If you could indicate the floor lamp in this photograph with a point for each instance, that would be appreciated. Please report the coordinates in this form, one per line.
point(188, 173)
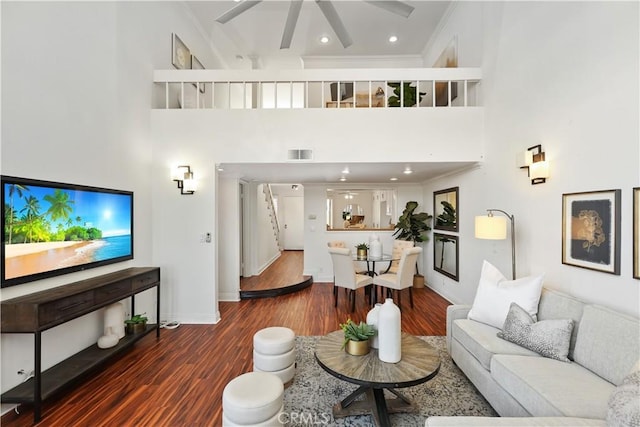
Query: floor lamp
point(495, 228)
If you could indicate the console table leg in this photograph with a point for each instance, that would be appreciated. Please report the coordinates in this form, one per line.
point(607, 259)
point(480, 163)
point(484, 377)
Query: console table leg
point(158, 311)
point(37, 377)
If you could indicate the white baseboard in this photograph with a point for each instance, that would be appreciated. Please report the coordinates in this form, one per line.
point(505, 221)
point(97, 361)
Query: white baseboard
point(229, 296)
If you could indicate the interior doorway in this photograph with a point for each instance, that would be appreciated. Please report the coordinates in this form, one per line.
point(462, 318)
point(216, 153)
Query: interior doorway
point(293, 223)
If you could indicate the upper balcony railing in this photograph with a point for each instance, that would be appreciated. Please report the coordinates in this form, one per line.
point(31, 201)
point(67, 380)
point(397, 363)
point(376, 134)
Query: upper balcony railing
point(317, 88)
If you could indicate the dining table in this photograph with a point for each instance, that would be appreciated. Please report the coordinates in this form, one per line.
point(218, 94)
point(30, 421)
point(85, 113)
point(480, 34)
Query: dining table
point(371, 261)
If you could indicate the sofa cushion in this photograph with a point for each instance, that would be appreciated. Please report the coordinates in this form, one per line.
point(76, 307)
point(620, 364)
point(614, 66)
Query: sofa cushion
point(608, 343)
point(547, 387)
point(495, 294)
point(481, 341)
point(549, 338)
point(556, 305)
point(624, 403)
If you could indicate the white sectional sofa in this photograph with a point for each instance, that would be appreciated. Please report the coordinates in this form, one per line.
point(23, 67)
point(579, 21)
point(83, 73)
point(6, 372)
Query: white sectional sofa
point(532, 390)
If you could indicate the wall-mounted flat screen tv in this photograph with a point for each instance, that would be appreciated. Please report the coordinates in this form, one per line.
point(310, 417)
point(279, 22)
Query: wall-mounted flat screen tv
point(51, 228)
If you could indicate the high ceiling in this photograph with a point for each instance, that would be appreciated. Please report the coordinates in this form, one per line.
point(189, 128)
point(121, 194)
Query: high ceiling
point(257, 32)
point(254, 36)
point(360, 173)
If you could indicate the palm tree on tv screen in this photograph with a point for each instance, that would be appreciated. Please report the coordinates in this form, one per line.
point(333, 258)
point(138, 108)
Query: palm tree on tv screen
point(60, 205)
point(12, 217)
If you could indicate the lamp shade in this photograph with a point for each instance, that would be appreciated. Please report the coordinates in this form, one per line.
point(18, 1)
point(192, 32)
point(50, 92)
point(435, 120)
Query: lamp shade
point(190, 185)
point(539, 170)
point(491, 227)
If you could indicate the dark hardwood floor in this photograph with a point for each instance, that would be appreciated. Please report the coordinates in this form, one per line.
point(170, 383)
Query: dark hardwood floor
point(285, 271)
point(177, 380)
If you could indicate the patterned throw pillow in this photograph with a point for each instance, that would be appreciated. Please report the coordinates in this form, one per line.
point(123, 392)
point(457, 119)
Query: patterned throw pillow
point(549, 338)
point(624, 403)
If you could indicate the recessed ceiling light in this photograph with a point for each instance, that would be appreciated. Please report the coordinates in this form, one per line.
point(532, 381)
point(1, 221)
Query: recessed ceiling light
point(393, 179)
point(324, 39)
point(393, 39)
point(407, 170)
point(342, 178)
point(345, 170)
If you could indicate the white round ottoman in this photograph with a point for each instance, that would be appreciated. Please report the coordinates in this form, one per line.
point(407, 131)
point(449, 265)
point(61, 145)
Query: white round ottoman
point(253, 399)
point(285, 374)
point(274, 351)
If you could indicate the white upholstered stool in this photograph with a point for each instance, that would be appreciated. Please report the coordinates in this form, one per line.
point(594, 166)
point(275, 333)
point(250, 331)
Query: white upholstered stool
point(253, 399)
point(273, 351)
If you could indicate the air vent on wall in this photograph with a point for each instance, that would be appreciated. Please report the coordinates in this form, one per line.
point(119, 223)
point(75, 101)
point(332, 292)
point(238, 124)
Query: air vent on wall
point(299, 154)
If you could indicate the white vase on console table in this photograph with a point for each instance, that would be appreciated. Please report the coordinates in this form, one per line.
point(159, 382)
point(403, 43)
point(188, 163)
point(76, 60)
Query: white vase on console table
point(114, 319)
point(389, 333)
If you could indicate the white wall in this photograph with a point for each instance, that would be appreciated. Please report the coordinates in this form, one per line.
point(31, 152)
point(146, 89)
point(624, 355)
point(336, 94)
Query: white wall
point(437, 135)
point(76, 95)
point(228, 240)
point(564, 75)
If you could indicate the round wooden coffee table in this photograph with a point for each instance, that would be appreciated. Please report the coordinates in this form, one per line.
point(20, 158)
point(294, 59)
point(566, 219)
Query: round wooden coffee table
point(420, 363)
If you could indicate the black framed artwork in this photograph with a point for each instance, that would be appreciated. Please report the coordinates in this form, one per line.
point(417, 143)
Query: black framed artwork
point(445, 207)
point(636, 233)
point(445, 255)
point(591, 230)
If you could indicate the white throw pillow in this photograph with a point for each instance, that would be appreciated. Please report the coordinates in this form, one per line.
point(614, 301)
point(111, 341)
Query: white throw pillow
point(495, 294)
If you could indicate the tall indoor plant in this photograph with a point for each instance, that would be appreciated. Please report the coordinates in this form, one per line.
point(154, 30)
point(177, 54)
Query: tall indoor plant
point(413, 227)
point(408, 95)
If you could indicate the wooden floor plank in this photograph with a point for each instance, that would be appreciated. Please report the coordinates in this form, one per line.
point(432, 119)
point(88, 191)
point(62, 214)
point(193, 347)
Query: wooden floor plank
point(178, 379)
point(286, 270)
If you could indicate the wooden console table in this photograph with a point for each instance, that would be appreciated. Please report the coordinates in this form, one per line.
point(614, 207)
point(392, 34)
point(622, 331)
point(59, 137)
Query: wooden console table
point(37, 312)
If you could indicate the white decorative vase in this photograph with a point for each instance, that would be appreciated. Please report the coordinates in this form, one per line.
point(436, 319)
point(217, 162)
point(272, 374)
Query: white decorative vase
point(108, 340)
point(389, 333)
point(372, 319)
point(375, 246)
point(114, 319)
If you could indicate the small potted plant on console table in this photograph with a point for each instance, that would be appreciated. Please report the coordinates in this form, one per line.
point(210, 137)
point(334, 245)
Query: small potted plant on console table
point(356, 337)
point(136, 324)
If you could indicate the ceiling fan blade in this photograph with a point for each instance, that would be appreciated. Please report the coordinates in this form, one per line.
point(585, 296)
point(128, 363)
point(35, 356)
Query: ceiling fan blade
point(237, 10)
point(290, 26)
point(397, 7)
point(334, 20)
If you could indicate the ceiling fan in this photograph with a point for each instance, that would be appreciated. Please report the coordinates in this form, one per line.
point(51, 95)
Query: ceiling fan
point(328, 10)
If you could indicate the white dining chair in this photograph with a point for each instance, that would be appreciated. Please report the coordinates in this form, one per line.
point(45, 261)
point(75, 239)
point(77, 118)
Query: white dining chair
point(396, 252)
point(345, 275)
point(403, 278)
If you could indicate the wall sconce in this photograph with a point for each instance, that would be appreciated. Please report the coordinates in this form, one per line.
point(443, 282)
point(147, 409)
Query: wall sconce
point(184, 177)
point(534, 161)
point(495, 228)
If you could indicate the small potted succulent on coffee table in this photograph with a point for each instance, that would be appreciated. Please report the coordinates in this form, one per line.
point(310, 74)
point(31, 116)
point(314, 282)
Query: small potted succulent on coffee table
point(136, 324)
point(356, 337)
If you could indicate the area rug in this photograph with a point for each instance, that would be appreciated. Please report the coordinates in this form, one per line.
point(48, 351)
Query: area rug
point(310, 397)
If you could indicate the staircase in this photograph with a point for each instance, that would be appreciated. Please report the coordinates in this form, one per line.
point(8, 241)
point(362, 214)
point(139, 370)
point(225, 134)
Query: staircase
point(266, 189)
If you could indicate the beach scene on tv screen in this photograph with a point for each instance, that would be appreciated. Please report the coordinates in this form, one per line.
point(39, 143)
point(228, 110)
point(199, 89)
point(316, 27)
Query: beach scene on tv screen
point(49, 228)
